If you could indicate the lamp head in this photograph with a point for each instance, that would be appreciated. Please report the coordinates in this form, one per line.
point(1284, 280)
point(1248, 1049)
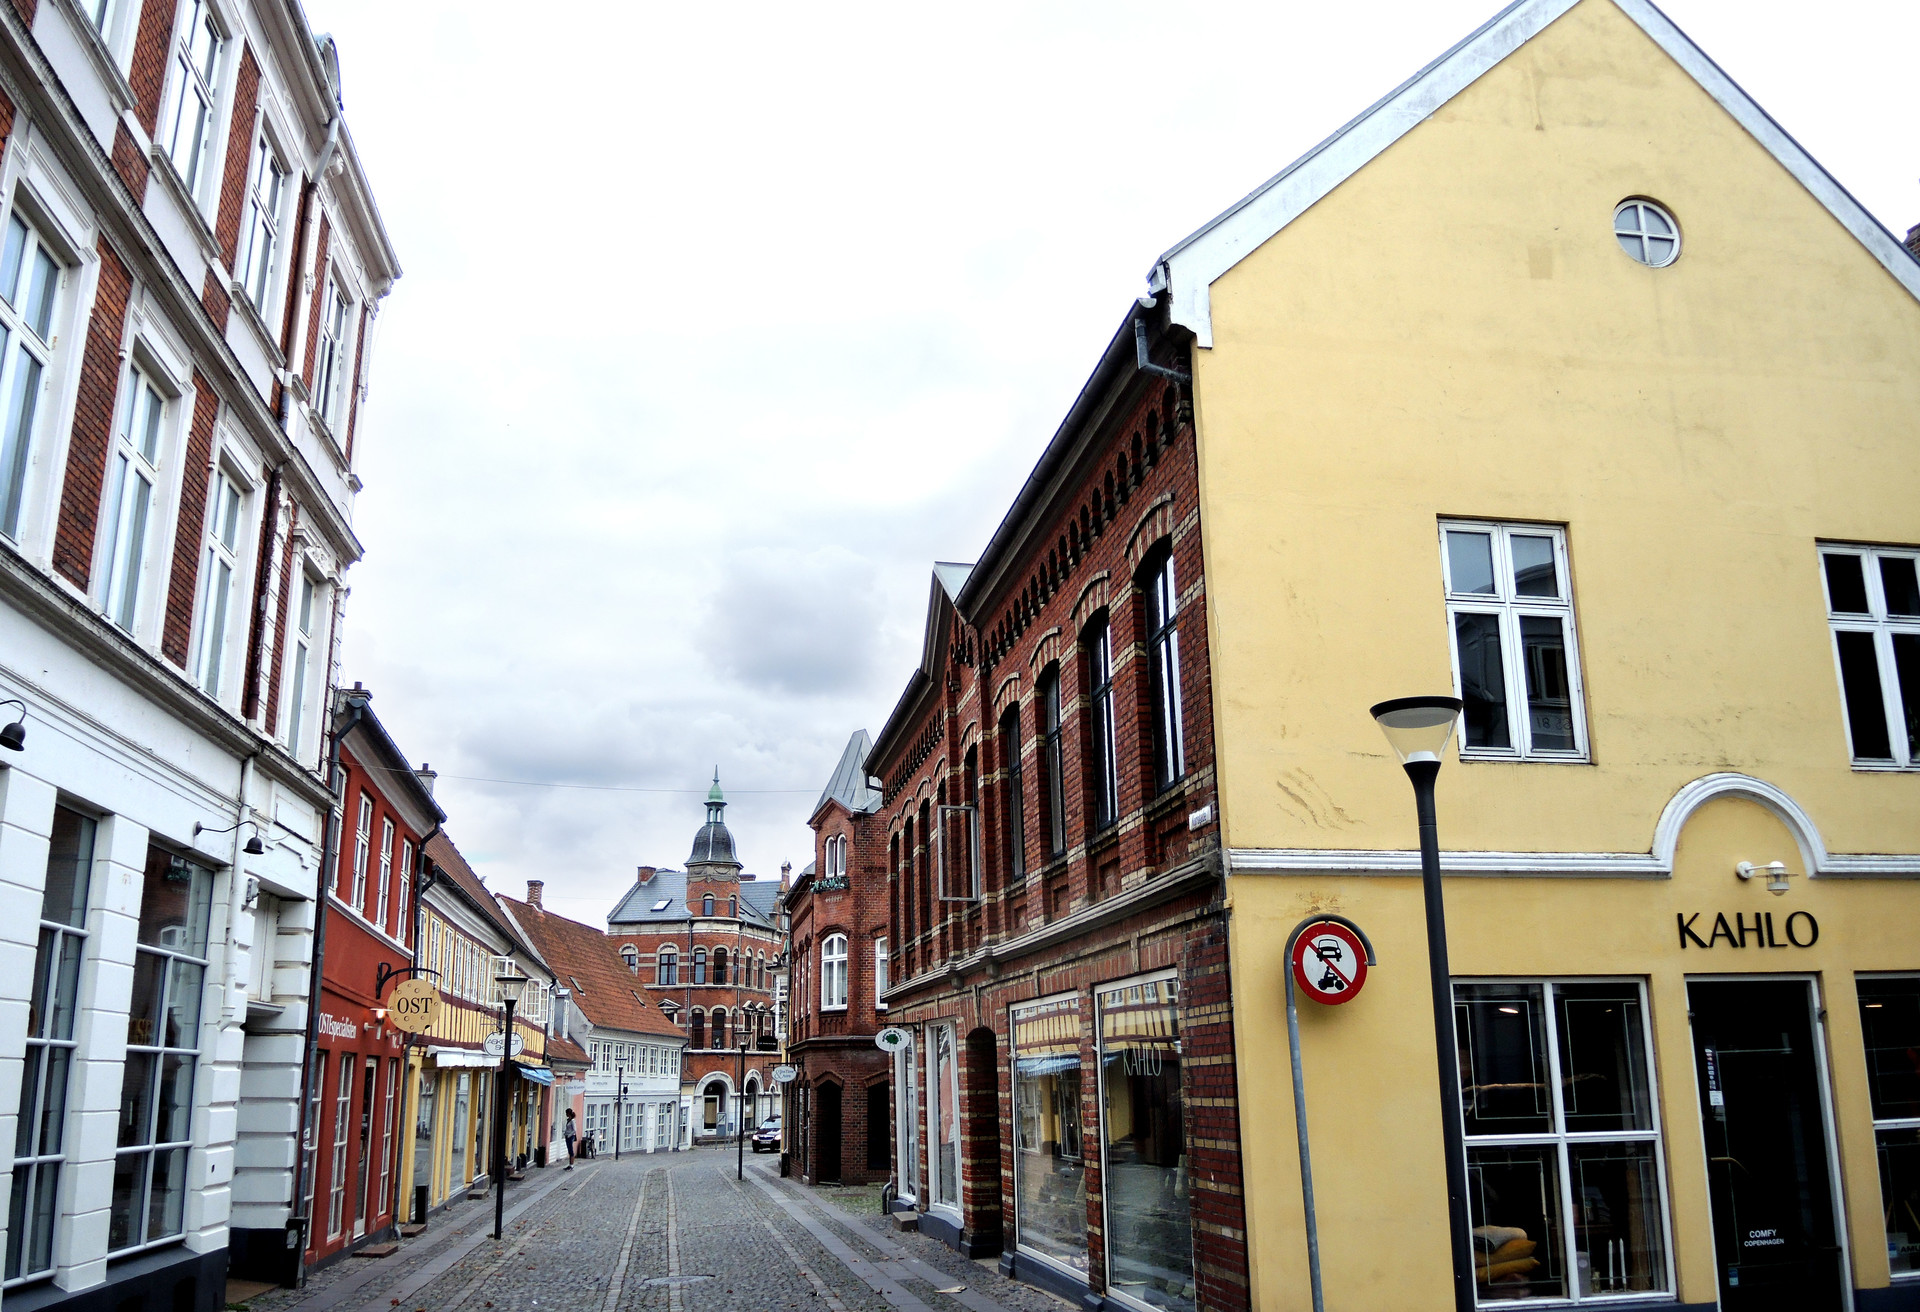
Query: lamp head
point(254, 846)
point(1417, 728)
point(14, 736)
point(512, 984)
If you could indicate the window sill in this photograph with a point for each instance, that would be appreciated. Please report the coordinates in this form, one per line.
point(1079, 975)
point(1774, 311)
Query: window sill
point(1480, 756)
point(1101, 840)
point(118, 90)
point(1886, 767)
point(1168, 800)
point(263, 335)
point(177, 186)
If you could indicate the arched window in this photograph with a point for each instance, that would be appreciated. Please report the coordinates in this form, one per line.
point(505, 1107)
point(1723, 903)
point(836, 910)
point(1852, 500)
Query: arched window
point(699, 965)
point(631, 956)
point(1103, 767)
point(833, 973)
point(706, 905)
point(698, 1029)
point(719, 1027)
point(1163, 665)
point(1015, 806)
point(668, 971)
point(733, 907)
point(719, 965)
point(1053, 766)
point(760, 972)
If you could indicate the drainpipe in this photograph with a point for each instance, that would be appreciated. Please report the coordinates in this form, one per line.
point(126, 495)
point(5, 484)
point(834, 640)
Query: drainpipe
point(329, 845)
point(1142, 360)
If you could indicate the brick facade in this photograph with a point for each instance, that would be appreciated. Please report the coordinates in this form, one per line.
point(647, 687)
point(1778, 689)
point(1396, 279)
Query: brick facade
point(1114, 498)
point(92, 422)
point(188, 541)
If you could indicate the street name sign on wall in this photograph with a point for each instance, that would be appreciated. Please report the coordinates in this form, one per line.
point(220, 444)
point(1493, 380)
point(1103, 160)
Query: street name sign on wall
point(1329, 963)
point(495, 1045)
point(893, 1039)
point(413, 1005)
point(785, 1074)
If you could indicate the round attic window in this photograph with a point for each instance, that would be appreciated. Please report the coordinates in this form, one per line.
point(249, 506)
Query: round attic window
point(1646, 232)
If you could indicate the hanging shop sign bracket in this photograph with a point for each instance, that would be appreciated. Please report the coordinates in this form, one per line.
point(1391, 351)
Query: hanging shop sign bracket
point(1340, 953)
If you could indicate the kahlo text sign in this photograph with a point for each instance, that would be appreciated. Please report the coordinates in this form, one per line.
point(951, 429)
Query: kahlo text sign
point(1800, 930)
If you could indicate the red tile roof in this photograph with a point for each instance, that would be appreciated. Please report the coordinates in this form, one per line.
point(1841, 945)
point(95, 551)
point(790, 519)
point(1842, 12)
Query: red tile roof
point(584, 959)
point(565, 1052)
point(442, 852)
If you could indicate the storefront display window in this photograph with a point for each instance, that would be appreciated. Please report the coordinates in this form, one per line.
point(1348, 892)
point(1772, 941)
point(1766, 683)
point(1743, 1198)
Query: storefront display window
point(943, 1118)
point(1143, 1127)
point(457, 1141)
point(1890, 1021)
point(1563, 1146)
point(423, 1133)
point(1049, 1166)
point(908, 1136)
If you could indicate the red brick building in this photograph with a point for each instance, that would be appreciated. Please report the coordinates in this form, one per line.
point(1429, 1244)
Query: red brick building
point(703, 942)
point(839, 1112)
point(1054, 878)
point(357, 1135)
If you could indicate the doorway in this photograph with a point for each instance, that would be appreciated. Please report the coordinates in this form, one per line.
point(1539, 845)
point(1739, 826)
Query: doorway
point(827, 1133)
point(1763, 1114)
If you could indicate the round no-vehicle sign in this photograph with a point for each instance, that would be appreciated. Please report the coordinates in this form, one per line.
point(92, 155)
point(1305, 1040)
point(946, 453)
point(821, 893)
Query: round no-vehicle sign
point(1329, 964)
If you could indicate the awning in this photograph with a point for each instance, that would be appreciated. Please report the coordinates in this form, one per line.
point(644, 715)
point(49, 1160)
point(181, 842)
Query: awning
point(462, 1059)
point(538, 1074)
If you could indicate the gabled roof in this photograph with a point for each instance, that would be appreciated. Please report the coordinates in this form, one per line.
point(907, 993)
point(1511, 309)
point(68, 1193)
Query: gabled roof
point(848, 783)
point(457, 873)
point(637, 906)
point(586, 960)
point(1189, 268)
point(949, 578)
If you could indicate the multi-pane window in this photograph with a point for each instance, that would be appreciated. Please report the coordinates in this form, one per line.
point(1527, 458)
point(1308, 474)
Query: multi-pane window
point(667, 967)
point(302, 659)
point(1102, 768)
point(1054, 762)
point(1163, 664)
point(1515, 662)
point(327, 370)
point(836, 862)
point(1890, 1022)
point(29, 285)
point(403, 927)
point(342, 1110)
point(362, 851)
point(135, 472)
point(386, 1133)
point(386, 873)
point(1873, 605)
point(880, 981)
point(1015, 806)
point(719, 1019)
point(196, 74)
point(706, 905)
point(222, 565)
point(163, 1042)
point(720, 966)
point(833, 973)
point(697, 1029)
point(40, 1142)
point(99, 13)
point(315, 1090)
point(1563, 1140)
point(699, 965)
point(263, 224)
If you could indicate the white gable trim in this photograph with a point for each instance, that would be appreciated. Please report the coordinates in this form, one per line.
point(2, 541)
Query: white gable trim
point(1188, 270)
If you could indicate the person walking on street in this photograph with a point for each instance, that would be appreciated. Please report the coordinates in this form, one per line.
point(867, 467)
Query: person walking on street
point(571, 1134)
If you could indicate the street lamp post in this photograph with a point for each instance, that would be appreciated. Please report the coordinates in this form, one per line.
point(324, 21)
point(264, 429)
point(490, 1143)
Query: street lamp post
point(512, 984)
point(1418, 729)
point(740, 1126)
point(619, 1107)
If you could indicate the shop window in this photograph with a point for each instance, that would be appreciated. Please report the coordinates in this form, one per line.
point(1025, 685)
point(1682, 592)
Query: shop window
point(943, 1117)
point(1563, 1142)
point(163, 1041)
point(1515, 662)
point(1049, 1163)
point(1890, 1021)
point(40, 1144)
point(1144, 1139)
point(1873, 607)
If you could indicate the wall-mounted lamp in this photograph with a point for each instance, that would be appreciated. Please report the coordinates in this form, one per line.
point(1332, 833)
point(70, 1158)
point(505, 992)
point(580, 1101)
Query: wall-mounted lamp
point(14, 736)
point(1774, 871)
point(253, 847)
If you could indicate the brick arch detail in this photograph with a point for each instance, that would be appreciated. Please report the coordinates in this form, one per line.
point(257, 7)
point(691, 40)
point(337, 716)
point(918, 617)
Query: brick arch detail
point(1154, 524)
point(1093, 598)
point(1007, 695)
point(1046, 649)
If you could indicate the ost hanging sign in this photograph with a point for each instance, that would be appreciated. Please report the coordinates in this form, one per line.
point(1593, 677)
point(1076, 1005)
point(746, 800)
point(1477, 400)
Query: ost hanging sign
point(413, 1005)
point(1329, 963)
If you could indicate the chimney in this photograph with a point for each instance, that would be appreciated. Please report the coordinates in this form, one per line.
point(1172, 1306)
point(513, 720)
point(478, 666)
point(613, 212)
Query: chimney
point(427, 774)
point(646, 875)
point(533, 893)
point(786, 875)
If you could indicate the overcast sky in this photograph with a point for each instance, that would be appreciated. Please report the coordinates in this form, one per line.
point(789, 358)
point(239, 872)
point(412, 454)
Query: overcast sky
point(720, 324)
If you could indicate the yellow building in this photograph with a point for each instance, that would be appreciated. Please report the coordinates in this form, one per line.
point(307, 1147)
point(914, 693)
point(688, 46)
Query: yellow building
point(1564, 380)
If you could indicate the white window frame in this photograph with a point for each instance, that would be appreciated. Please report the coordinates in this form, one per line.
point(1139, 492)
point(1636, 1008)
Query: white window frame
point(937, 1090)
point(309, 603)
point(336, 321)
point(1163, 658)
point(225, 527)
point(197, 71)
point(1884, 628)
point(881, 965)
point(135, 502)
point(1894, 1123)
point(266, 202)
point(403, 925)
point(1510, 608)
point(833, 973)
point(362, 850)
point(385, 893)
point(1563, 1139)
point(1103, 738)
point(26, 336)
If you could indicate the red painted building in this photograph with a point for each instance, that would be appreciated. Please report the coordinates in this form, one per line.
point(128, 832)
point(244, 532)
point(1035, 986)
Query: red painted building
point(839, 1112)
point(355, 1135)
point(705, 947)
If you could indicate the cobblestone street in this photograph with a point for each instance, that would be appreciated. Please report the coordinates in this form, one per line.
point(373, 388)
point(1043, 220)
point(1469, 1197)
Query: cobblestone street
point(666, 1233)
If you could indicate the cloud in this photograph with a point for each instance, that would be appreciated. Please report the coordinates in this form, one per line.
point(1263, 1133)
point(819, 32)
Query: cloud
point(798, 622)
